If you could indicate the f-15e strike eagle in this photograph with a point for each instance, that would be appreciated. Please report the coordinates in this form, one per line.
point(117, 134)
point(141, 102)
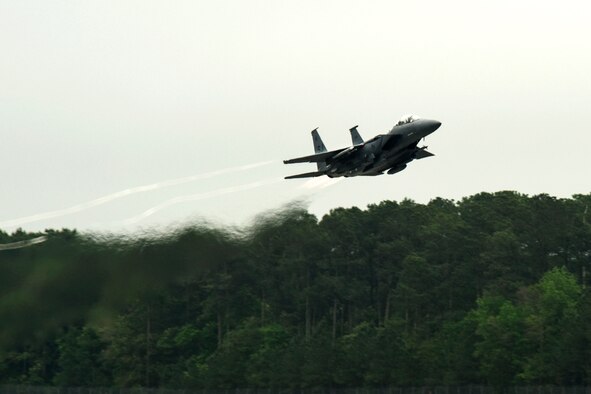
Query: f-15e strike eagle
point(389, 152)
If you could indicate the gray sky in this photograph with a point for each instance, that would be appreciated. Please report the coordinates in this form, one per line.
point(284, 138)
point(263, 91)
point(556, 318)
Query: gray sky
point(100, 97)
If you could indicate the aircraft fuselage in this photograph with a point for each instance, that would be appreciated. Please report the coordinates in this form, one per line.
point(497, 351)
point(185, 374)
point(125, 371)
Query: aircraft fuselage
point(385, 151)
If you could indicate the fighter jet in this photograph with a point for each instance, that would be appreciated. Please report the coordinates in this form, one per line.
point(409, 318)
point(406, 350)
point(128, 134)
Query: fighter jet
point(389, 152)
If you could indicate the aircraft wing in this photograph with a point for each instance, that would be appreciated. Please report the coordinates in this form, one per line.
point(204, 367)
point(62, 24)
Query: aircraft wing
point(318, 157)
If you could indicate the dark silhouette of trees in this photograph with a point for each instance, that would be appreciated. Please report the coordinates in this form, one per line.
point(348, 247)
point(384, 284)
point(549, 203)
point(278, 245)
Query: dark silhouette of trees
point(492, 289)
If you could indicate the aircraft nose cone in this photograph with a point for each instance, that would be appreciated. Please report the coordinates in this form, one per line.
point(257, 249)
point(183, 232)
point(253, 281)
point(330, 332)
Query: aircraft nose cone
point(431, 126)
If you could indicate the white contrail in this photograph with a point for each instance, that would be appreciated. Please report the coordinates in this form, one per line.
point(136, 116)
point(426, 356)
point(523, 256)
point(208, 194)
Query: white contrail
point(123, 193)
point(196, 197)
point(319, 183)
point(23, 244)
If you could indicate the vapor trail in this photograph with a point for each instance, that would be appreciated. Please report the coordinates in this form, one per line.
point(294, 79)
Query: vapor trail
point(123, 193)
point(197, 197)
point(319, 183)
point(23, 244)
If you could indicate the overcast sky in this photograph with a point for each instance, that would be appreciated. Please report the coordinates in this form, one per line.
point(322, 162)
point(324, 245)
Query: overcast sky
point(103, 97)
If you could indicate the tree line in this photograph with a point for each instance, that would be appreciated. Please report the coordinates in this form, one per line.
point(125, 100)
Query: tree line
point(491, 289)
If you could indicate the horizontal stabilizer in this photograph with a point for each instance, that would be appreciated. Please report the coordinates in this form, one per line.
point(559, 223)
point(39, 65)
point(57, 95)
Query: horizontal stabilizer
point(306, 175)
point(422, 153)
point(315, 158)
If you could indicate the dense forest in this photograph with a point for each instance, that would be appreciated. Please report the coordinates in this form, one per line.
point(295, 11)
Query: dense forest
point(492, 289)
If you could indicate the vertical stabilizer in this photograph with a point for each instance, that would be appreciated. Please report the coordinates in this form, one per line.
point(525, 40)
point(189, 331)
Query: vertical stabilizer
point(318, 148)
point(318, 144)
point(355, 137)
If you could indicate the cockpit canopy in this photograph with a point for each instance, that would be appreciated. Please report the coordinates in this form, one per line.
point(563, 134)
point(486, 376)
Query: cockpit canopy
point(407, 119)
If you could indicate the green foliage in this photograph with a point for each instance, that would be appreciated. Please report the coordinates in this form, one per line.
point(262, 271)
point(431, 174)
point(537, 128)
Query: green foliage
point(500, 348)
point(491, 289)
point(552, 319)
point(80, 359)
